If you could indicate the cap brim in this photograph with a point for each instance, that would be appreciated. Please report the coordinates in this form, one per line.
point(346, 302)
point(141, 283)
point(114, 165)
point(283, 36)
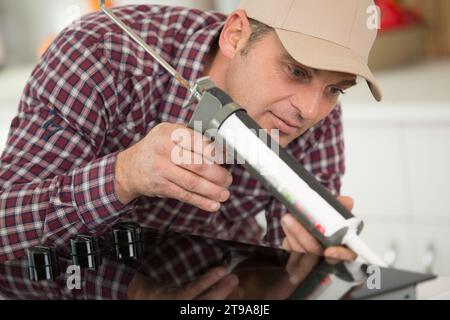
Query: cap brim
point(325, 55)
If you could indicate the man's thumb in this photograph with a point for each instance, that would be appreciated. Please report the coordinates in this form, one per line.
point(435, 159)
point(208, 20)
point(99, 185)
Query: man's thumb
point(346, 202)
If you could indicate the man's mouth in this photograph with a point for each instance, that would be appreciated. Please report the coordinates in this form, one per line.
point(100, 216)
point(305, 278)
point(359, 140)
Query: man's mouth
point(284, 126)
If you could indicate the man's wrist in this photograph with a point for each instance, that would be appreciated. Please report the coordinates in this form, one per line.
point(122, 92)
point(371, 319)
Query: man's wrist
point(123, 190)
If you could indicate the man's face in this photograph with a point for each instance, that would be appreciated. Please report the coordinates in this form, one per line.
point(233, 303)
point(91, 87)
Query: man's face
point(279, 93)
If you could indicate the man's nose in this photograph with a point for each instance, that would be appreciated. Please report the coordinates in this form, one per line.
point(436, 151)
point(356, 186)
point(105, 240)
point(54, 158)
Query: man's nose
point(307, 102)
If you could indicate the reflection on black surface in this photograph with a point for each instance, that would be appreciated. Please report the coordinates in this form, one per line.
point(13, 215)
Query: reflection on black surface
point(175, 265)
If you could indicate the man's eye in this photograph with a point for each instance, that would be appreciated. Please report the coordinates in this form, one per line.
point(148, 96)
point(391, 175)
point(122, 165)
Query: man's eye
point(337, 91)
point(297, 72)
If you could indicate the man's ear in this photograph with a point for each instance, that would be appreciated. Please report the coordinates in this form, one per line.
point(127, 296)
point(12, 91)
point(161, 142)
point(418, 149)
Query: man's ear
point(235, 34)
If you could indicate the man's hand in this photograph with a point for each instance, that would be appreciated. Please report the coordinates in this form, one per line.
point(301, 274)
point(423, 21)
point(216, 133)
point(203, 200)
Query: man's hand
point(147, 169)
point(299, 239)
point(216, 284)
point(299, 266)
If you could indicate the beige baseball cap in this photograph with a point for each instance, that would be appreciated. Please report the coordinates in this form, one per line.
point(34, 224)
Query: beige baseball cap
point(333, 35)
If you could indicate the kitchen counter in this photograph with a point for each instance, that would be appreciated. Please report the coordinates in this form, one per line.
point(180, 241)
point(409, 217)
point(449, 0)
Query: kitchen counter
point(171, 260)
point(437, 289)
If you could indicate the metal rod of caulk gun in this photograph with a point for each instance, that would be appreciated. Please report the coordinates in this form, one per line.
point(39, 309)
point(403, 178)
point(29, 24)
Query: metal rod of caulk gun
point(150, 51)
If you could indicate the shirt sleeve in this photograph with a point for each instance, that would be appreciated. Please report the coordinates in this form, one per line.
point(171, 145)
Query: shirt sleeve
point(321, 152)
point(55, 178)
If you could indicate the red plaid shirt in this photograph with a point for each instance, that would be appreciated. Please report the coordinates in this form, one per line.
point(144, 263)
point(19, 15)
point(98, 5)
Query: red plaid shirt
point(95, 93)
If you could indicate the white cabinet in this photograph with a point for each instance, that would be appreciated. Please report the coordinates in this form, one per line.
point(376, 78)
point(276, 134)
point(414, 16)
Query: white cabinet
point(374, 155)
point(431, 247)
point(406, 203)
point(398, 171)
point(427, 149)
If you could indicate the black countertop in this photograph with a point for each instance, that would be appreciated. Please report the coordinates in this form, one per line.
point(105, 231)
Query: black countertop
point(170, 264)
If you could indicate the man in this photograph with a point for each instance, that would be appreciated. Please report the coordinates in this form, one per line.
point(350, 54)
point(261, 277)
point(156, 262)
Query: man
point(92, 141)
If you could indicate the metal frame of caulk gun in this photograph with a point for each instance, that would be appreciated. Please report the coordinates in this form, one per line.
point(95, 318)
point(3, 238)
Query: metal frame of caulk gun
point(323, 215)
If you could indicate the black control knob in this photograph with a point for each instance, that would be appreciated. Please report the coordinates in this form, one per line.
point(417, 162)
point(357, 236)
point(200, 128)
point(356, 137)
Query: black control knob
point(43, 263)
point(85, 251)
point(127, 241)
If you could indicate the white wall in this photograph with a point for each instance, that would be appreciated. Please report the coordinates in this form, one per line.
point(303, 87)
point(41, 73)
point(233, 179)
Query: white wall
point(24, 24)
point(226, 6)
point(2, 51)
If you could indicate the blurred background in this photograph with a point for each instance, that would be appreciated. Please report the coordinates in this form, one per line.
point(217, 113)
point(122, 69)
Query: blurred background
point(398, 151)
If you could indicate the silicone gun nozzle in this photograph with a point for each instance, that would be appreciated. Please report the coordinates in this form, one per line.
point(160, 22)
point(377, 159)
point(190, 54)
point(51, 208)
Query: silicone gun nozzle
point(354, 242)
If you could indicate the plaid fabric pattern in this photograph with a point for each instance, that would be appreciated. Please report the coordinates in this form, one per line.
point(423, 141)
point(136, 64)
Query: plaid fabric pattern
point(95, 93)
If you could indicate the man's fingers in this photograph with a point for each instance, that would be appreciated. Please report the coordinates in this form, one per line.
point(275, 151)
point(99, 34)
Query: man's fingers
point(197, 184)
point(293, 261)
point(176, 192)
point(340, 254)
point(291, 241)
point(286, 245)
point(211, 172)
point(189, 140)
point(222, 289)
point(299, 236)
point(203, 283)
point(346, 202)
point(300, 265)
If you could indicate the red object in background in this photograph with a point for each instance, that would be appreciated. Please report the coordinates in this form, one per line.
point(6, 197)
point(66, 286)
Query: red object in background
point(393, 15)
point(94, 5)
